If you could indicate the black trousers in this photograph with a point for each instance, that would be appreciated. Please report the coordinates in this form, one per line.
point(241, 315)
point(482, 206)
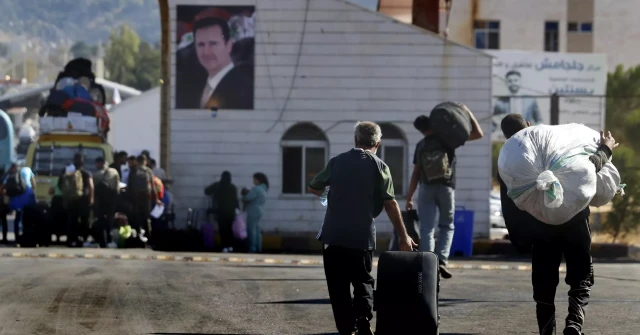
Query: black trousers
point(225, 224)
point(344, 267)
point(104, 213)
point(573, 240)
point(78, 220)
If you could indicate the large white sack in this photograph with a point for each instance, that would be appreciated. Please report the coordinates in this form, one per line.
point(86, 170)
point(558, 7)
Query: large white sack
point(548, 173)
point(608, 179)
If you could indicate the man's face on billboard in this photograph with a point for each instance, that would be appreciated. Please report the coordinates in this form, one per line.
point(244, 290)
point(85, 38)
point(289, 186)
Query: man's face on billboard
point(213, 52)
point(513, 82)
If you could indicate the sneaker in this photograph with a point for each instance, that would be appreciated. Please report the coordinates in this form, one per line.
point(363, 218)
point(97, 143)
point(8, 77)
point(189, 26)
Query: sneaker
point(444, 272)
point(225, 250)
point(364, 327)
point(230, 249)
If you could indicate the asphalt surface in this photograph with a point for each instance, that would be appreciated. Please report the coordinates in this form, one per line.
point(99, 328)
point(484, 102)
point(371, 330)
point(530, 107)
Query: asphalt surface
point(225, 296)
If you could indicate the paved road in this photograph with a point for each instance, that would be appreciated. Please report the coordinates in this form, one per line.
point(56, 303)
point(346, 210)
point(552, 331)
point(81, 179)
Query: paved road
point(129, 296)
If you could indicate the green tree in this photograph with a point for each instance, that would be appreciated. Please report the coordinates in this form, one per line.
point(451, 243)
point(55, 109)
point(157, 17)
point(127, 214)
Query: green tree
point(623, 104)
point(121, 55)
point(625, 215)
point(623, 120)
point(147, 70)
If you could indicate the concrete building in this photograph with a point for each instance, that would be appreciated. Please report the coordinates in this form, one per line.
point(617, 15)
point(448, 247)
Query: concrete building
point(135, 124)
point(321, 65)
point(598, 26)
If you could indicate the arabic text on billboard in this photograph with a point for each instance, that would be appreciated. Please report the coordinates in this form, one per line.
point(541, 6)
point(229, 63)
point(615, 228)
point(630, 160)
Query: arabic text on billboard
point(524, 81)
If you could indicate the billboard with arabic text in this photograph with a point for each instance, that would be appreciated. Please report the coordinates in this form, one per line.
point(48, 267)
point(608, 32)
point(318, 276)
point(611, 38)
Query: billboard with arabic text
point(523, 83)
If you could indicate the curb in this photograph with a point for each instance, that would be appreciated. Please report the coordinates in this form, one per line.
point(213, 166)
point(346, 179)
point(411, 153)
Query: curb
point(238, 260)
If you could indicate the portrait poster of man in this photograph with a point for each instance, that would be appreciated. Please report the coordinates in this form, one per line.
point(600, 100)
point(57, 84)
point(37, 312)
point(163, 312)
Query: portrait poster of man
point(523, 82)
point(215, 51)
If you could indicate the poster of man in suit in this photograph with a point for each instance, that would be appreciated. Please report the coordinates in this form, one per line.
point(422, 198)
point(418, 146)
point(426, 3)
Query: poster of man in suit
point(215, 57)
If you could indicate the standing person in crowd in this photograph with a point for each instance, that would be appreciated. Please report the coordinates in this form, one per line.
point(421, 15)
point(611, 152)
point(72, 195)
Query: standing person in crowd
point(19, 185)
point(126, 168)
point(59, 217)
point(78, 207)
point(548, 244)
point(435, 170)
point(119, 159)
point(107, 187)
point(4, 210)
point(360, 187)
point(142, 193)
point(157, 171)
point(254, 201)
point(224, 203)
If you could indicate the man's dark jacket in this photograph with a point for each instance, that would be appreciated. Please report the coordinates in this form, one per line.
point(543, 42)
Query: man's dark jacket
point(523, 227)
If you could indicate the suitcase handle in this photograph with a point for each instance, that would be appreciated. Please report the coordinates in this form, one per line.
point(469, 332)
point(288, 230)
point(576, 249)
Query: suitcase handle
point(461, 208)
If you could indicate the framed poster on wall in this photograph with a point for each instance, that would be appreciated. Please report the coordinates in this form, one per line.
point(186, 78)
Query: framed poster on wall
point(215, 57)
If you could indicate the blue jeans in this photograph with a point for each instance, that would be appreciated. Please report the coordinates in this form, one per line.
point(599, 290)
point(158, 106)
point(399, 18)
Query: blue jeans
point(254, 237)
point(434, 199)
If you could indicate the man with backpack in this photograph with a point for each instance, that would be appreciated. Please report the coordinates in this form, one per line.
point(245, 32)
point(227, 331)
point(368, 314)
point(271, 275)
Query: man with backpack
point(78, 195)
point(435, 170)
point(142, 192)
point(106, 181)
point(19, 185)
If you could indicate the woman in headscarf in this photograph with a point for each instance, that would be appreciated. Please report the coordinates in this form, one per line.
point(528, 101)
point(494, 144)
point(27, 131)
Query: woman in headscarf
point(224, 203)
point(254, 201)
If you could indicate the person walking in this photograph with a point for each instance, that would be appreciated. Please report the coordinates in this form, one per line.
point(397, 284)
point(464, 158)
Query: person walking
point(254, 201)
point(19, 185)
point(78, 207)
point(434, 168)
point(106, 182)
point(360, 186)
point(547, 244)
point(224, 203)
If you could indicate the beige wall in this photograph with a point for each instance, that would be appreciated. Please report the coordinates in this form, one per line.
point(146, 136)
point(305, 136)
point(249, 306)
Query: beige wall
point(616, 31)
point(398, 9)
point(616, 28)
point(519, 28)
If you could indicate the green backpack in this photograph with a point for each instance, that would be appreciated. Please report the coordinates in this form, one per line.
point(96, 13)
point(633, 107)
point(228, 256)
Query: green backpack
point(72, 186)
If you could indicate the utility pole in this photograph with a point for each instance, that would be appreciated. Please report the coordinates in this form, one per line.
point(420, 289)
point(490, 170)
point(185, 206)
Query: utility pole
point(555, 109)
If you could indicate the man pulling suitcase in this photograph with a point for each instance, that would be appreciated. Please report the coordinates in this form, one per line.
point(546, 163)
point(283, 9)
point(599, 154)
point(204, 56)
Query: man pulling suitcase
point(360, 187)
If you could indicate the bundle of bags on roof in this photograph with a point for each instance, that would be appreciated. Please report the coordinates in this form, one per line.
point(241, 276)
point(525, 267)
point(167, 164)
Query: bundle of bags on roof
point(548, 173)
point(76, 91)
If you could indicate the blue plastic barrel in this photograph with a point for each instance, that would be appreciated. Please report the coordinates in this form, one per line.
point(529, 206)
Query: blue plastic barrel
point(462, 244)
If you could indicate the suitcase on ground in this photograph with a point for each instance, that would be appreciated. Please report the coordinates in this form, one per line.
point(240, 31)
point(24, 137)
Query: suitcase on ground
point(188, 239)
point(412, 225)
point(406, 295)
point(452, 123)
point(36, 226)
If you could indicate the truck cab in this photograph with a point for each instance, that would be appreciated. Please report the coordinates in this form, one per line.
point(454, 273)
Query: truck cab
point(54, 150)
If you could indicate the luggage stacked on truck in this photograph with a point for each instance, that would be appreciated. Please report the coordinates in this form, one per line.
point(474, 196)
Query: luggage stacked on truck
point(77, 98)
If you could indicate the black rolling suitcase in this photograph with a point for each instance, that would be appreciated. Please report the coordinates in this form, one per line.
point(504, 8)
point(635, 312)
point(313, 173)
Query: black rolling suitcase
point(406, 296)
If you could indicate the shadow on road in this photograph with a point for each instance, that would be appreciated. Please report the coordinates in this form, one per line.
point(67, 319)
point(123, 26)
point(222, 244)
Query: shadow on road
point(275, 266)
point(257, 334)
point(298, 302)
point(277, 279)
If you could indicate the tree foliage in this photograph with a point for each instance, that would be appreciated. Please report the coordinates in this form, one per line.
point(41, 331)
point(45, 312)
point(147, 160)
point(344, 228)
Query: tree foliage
point(87, 20)
point(623, 120)
point(121, 55)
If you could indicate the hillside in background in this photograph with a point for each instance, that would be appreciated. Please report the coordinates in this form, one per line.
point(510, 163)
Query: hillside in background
point(78, 20)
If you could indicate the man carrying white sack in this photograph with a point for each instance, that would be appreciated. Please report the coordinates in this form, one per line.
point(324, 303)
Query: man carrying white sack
point(548, 243)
